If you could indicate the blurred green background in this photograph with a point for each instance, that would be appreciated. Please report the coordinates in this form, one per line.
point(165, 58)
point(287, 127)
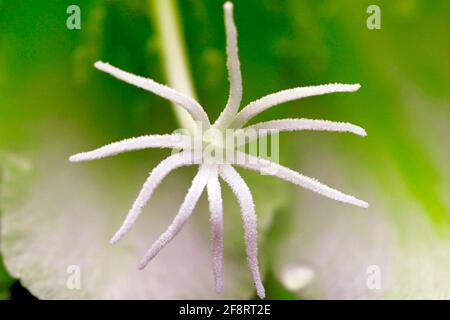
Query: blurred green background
point(51, 98)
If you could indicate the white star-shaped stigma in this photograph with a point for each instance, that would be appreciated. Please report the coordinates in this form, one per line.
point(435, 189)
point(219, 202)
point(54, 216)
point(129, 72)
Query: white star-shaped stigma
point(194, 145)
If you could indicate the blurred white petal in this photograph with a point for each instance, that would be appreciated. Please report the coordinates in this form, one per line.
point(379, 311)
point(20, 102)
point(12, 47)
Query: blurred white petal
point(346, 249)
point(49, 225)
point(296, 277)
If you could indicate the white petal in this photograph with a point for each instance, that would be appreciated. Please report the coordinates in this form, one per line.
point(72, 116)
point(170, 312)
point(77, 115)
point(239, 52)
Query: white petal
point(192, 196)
point(262, 128)
point(244, 196)
point(216, 208)
point(270, 168)
point(156, 176)
point(138, 143)
point(234, 69)
point(189, 104)
point(266, 102)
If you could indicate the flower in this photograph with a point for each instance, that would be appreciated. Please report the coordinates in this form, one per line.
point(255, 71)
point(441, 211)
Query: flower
point(195, 144)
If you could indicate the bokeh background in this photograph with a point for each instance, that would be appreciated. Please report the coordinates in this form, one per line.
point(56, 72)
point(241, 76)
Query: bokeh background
point(53, 103)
